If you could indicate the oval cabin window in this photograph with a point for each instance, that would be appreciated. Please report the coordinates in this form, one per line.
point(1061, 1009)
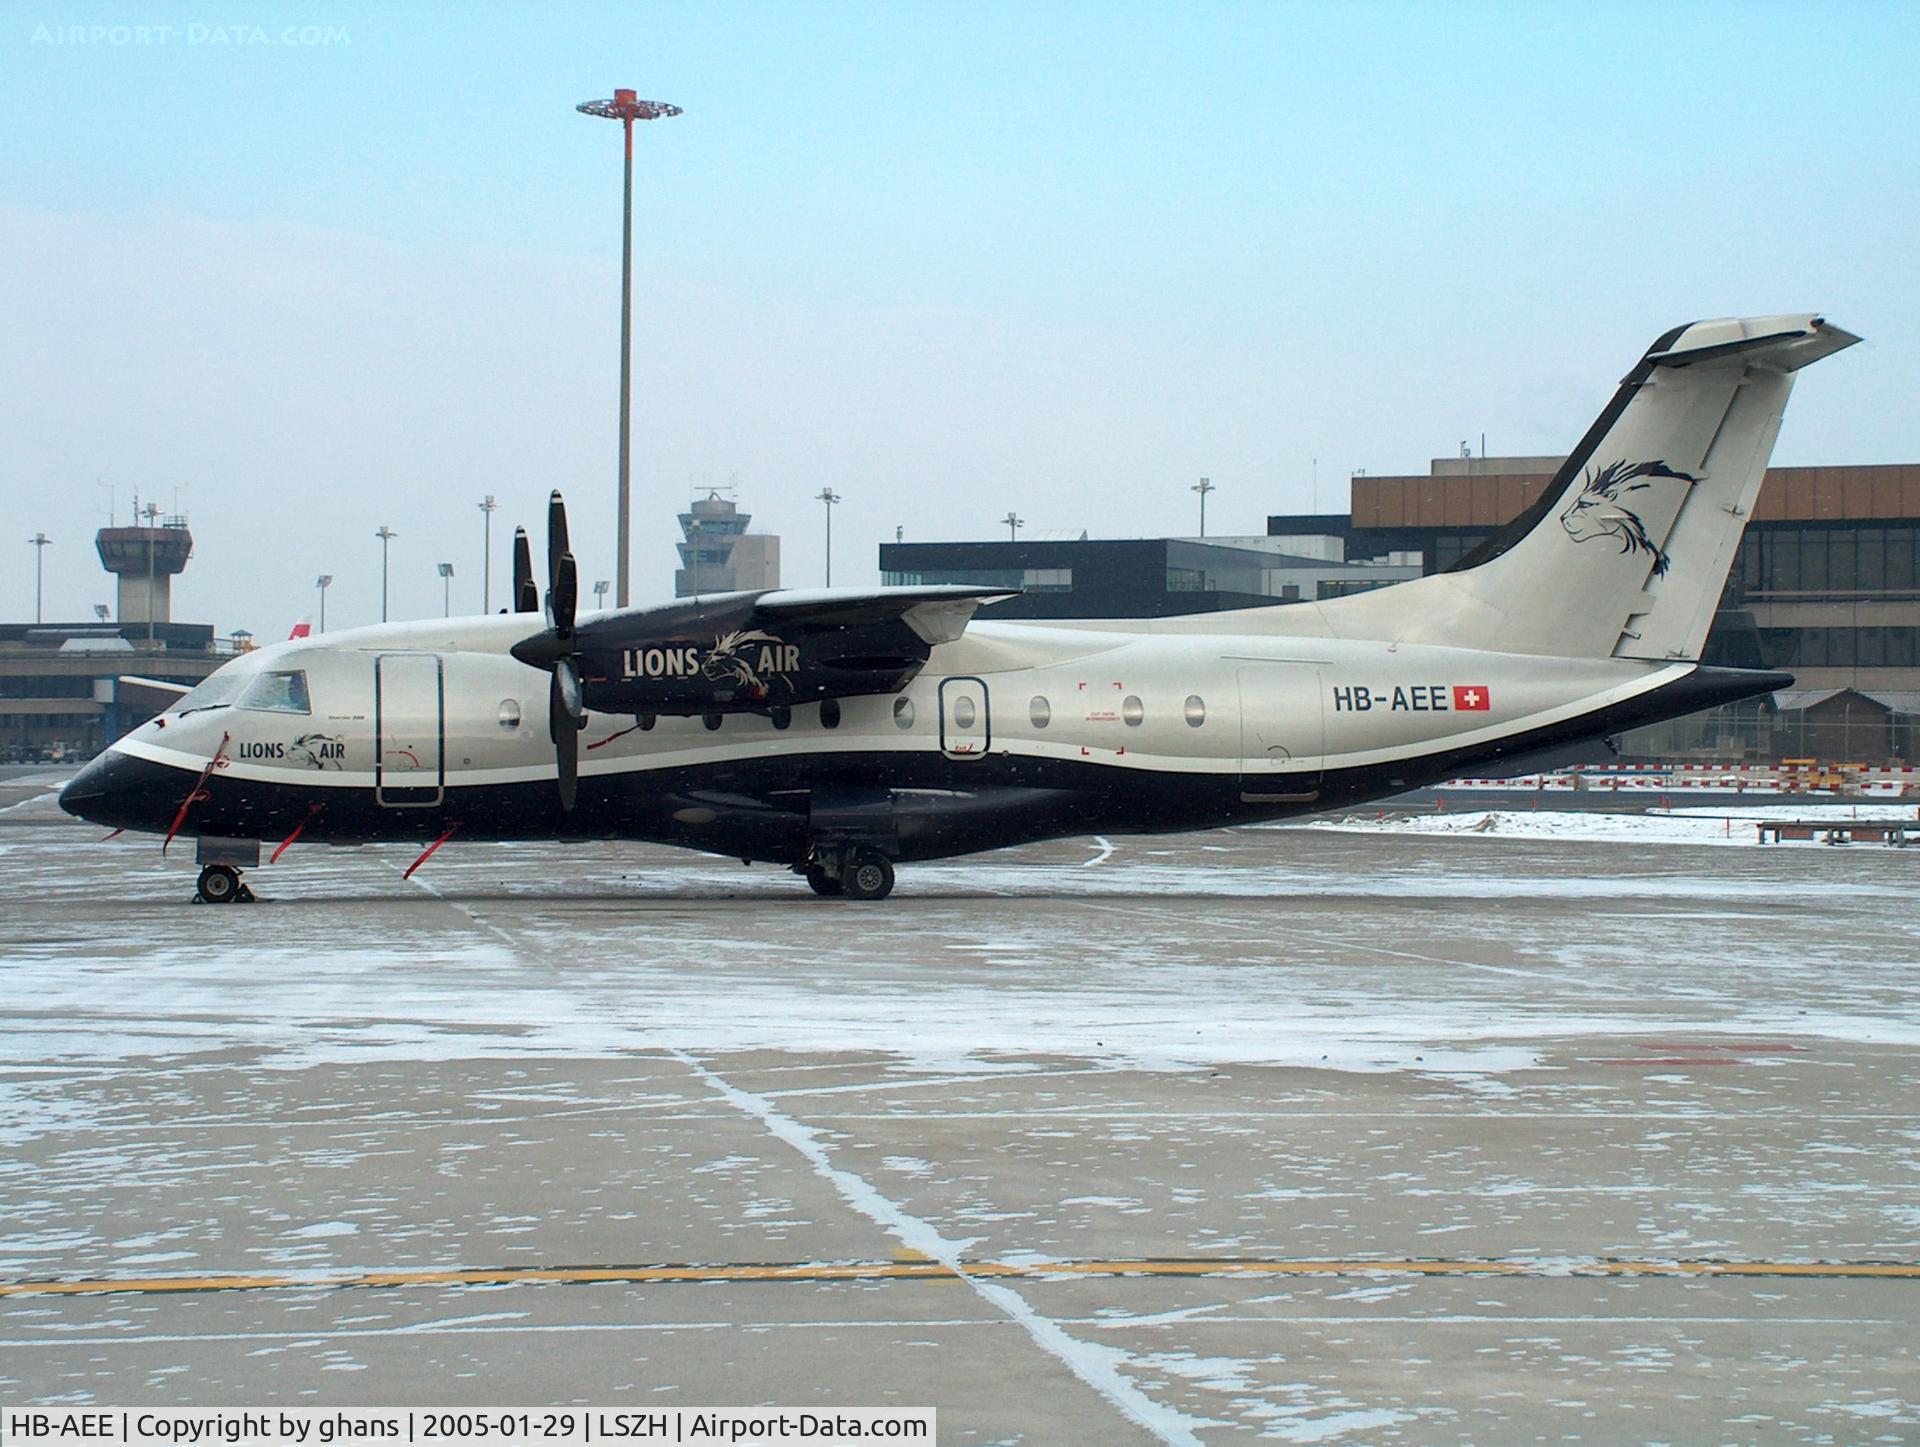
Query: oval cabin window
point(903, 713)
point(509, 714)
point(1196, 710)
point(963, 713)
point(830, 714)
point(1040, 711)
point(1132, 711)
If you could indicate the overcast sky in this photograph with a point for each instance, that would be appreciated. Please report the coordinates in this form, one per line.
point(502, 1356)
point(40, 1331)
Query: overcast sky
point(360, 265)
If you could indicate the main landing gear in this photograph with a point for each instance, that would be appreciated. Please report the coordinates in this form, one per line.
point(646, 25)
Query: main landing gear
point(857, 874)
point(222, 884)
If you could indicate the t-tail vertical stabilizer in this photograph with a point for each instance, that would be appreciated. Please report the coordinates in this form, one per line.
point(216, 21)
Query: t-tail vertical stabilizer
point(1627, 550)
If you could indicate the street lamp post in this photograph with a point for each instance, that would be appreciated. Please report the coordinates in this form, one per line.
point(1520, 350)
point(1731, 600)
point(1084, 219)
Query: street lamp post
point(386, 535)
point(40, 542)
point(486, 554)
point(323, 582)
point(600, 593)
point(446, 590)
point(1014, 523)
point(829, 497)
point(626, 107)
point(1203, 487)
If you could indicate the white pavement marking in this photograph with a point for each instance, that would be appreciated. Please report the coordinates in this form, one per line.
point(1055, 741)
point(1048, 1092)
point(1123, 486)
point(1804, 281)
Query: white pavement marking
point(29, 803)
point(1094, 1365)
point(492, 929)
point(1106, 851)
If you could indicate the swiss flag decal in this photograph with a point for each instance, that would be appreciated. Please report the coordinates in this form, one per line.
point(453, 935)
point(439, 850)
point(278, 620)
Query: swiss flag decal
point(1469, 698)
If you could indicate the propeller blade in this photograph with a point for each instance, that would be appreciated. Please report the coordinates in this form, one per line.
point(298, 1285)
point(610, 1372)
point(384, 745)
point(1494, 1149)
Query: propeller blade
point(566, 742)
point(565, 597)
point(526, 597)
point(557, 544)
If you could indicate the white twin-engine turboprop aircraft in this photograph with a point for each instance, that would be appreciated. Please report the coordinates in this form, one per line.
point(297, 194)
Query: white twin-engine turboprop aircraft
point(838, 732)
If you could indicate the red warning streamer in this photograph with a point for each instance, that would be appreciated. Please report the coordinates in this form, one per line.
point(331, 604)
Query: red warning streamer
point(428, 852)
point(298, 830)
point(198, 794)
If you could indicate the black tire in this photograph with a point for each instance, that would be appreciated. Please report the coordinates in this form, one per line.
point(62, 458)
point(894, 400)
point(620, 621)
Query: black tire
point(220, 884)
point(868, 875)
point(820, 883)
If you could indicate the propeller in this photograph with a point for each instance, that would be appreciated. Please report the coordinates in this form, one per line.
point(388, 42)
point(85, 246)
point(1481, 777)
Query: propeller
point(555, 649)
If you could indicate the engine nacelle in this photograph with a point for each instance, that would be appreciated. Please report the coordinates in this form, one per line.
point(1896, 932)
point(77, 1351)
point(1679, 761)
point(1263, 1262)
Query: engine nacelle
point(727, 657)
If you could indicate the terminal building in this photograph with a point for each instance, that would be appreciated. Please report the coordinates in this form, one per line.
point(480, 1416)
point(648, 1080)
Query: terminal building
point(1079, 577)
point(718, 554)
point(64, 687)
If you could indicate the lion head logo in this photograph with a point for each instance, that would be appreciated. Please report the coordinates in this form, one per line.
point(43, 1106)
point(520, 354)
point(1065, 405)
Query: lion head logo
point(726, 663)
point(1600, 508)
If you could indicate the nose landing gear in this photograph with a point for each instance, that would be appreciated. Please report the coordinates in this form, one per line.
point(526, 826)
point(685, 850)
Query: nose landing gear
point(222, 884)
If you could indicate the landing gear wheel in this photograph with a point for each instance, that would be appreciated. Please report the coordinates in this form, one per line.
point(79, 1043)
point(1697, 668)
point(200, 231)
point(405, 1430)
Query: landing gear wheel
point(220, 884)
point(820, 882)
point(867, 875)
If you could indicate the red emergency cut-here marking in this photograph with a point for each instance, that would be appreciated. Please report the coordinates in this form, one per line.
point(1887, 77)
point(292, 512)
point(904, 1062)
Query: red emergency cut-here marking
point(1470, 698)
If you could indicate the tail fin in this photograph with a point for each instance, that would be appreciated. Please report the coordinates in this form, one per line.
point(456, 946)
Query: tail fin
point(1627, 550)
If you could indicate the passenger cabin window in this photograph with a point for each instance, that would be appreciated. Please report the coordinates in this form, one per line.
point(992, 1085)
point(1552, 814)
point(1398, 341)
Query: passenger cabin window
point(1132, 711)
point(1196, 710)
point(830, 714)
point(509, 714)
point(963, 712)
point(277, 693)
point(903, 713)
point(1040, 711)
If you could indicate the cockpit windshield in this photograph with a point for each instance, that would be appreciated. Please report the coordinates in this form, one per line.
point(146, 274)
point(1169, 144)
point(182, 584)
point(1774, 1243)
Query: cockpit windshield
point(216, 690)
point(277, 693)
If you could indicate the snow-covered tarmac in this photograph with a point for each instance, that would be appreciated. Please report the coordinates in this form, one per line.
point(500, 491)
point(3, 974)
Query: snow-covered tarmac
point(1324, 1134)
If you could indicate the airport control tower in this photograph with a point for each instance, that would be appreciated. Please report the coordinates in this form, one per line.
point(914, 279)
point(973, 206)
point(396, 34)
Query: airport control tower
point(145, 560)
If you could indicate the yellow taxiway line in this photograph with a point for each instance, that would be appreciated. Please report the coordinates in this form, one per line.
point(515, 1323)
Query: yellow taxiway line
point(926, 1270)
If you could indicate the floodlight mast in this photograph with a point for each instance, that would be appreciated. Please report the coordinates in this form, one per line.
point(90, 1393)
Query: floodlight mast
point(626, 107)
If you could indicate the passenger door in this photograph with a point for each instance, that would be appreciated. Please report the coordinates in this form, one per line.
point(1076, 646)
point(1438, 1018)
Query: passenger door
point(1282, 733)
point(965, 730)
point(409, 708)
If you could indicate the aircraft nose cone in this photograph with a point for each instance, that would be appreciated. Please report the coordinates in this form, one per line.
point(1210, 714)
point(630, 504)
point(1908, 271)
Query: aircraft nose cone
point(85, 787)
point(121, 792)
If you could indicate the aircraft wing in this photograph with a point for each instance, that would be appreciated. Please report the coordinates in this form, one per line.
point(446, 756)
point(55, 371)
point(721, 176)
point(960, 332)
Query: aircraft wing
point(938, 613)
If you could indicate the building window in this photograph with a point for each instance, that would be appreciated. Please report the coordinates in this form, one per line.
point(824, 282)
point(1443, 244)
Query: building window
point(1196, 710)
point(1040, 711)
point(1186, 580)
point(1047, 580)
point(1132, 712)
point(903, 713)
